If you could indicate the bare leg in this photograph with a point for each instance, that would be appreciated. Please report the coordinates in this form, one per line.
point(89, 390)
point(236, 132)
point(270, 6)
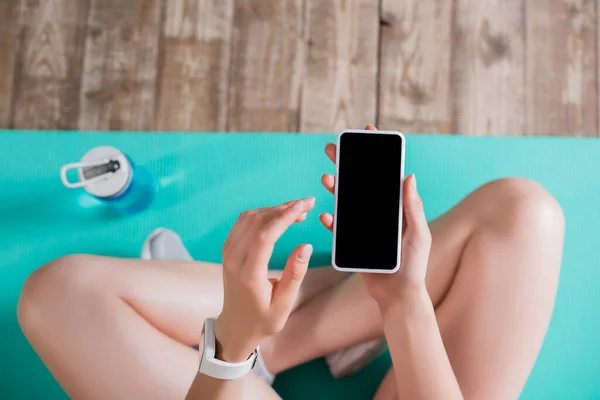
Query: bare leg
point(129, 324)
point(492, 276)
point(67, 308)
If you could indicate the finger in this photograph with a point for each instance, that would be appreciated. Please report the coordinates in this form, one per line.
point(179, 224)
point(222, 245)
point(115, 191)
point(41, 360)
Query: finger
point(267, 212)
point(301, 217)
point(286, 290)
point(330, 150)
point(417, 231)
point(283, 205)
point(277, 221)
point(271, 213)
point(327, 220)
point(370, 128)
point(329, 182)
point(269, 225)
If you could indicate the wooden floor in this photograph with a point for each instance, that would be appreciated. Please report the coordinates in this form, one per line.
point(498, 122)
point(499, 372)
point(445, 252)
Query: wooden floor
point(475, 67)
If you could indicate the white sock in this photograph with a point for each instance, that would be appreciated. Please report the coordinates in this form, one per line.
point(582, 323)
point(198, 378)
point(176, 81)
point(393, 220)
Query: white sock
point(260, 370)
point(164, 244)
point(347, 361)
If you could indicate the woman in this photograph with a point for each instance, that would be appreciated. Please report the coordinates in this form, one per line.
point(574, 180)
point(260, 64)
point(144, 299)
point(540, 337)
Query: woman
point(464, 317)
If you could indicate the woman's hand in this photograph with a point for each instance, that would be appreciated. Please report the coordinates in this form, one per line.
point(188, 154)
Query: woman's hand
point(256, 307)
point(416, 243)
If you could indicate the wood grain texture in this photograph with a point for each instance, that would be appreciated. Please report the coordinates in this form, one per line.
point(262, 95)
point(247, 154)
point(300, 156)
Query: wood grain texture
point(267, 65)
point(339, 89)
point(119, 77)
point(195, 62)
point(488, 68)
point(598, 66)
point(561, 78)
point(9, 26)
point(414, 83)
point(49, 63)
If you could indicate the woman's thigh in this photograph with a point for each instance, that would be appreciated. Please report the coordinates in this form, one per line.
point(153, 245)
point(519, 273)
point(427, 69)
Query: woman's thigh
point(115, 317)
point(122, 328)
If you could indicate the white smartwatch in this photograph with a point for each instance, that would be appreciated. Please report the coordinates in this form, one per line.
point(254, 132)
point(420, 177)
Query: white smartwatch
point(219, 369)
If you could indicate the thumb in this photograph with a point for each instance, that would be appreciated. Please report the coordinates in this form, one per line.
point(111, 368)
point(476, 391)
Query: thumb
point(417, 232)
point(286, 290)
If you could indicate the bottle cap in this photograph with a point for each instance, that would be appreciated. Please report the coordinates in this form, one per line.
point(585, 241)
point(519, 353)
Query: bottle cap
point(103, 171)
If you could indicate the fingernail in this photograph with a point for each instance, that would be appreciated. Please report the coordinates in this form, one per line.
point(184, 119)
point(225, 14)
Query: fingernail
point(414, 182)
point(309, 200)
point(305, 252)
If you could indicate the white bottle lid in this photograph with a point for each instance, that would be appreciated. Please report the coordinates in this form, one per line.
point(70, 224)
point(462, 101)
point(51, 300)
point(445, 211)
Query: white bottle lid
point(92, 176)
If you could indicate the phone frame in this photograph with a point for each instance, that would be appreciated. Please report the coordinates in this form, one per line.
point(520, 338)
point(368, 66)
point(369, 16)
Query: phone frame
point(337, 174)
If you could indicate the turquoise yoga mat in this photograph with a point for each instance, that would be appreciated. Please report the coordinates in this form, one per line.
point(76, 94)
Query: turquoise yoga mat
point(207, 179)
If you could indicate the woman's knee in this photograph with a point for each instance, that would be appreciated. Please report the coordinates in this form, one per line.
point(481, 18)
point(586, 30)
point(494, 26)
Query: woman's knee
point(522, 206)
point(58, 282)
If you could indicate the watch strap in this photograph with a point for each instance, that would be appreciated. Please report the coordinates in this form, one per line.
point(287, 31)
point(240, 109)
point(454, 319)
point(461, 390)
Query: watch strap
point(219, 369)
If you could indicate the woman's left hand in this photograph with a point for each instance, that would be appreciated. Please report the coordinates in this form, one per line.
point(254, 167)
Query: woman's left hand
point(416, 243)
point(256, 307)
point(388, 289)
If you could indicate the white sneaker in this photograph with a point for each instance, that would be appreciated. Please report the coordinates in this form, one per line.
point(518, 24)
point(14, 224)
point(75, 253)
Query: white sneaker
point(348, 361)
point(164, 244)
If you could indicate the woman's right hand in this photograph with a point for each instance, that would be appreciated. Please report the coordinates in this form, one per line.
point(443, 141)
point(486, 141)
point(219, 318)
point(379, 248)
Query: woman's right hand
point(256, 307)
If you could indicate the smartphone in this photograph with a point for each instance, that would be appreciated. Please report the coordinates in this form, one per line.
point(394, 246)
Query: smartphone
point(367, 224)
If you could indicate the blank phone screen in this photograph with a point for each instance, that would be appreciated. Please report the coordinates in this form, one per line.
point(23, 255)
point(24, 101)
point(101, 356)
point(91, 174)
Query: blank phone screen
point(368, 201)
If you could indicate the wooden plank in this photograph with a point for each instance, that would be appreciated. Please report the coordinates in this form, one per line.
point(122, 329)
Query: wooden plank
point(9, 25)
point(488, 68)
point(598, 66)
point(194, 72)
point(414, 83)
point(119, 77)
point(339, 89)
point(48, 69)
point(561, 78)
point(267, 65)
